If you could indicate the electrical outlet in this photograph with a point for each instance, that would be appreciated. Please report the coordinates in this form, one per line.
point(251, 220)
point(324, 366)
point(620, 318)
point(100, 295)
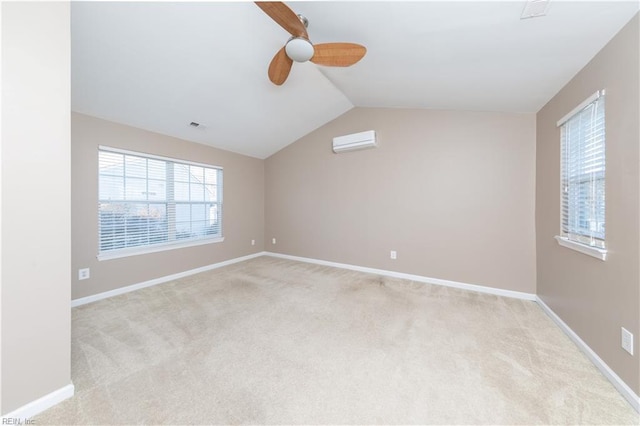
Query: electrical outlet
point(253, 242)
point(394, 255)
point(627, 340)
point(273, 241)
point(83, 274)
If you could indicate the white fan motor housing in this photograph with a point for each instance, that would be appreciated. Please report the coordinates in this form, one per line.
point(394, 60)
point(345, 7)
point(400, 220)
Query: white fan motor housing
point(299, 49)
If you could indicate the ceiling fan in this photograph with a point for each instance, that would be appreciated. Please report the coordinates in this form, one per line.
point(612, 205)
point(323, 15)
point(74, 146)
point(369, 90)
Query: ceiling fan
point(300, 49)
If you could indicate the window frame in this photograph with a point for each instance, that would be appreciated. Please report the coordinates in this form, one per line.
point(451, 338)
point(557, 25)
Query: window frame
point(171, 244)
point(564, 238)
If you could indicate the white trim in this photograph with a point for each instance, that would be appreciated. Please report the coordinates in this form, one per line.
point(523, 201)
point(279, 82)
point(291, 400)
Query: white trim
point(418, 278)
point(156, 157)
point(138, 286)
point(39, 405)
point(615, 380)
point(580, 107)
point(134, 251)
point(596, 252)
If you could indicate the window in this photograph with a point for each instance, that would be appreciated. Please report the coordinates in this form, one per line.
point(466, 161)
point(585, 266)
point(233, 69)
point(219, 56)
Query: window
point(583, 177)
point(149, 203)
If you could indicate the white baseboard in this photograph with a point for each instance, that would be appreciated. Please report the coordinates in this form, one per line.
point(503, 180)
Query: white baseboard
point(615, 380)
point(38, 406)
point(633, 399)
point(156, 281)
point(418, 278)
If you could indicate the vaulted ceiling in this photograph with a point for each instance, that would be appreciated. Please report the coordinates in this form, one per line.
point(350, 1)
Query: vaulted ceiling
point(160, 66)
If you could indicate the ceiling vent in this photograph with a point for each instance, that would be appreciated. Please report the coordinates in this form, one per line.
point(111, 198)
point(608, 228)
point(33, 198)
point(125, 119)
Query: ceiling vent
point(534, 9)
point(355, 141)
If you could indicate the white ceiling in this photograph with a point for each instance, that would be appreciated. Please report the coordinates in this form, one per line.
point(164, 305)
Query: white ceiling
point(160, 66)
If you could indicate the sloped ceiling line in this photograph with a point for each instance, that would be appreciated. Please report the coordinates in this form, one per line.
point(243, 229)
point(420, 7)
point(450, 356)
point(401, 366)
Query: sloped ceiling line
point(159, 65)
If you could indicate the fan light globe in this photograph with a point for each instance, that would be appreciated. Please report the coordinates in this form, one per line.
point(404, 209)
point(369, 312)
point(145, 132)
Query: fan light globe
point(299, 49)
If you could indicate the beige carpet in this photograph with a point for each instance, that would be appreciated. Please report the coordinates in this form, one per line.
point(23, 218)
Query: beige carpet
point(276, 341)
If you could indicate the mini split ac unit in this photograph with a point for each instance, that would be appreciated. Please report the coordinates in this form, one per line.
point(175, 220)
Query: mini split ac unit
point(355, 141)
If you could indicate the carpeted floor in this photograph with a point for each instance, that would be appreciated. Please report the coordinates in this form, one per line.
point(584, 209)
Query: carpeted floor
point(274, 341)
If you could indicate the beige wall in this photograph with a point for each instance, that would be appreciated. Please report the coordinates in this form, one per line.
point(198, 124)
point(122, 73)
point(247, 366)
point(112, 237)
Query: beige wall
point(243, 211)
point(593, 297)
point(36, 247)
point(451, 192)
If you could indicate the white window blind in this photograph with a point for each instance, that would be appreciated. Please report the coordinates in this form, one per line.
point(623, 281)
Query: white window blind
point(147, 200)
point(583, 173)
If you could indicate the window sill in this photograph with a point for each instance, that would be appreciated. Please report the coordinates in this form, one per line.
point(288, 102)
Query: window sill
point(598, 253)
point(134, 251)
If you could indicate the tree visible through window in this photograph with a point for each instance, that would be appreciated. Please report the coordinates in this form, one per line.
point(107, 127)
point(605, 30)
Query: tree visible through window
point(147, 200)
point(583, 174)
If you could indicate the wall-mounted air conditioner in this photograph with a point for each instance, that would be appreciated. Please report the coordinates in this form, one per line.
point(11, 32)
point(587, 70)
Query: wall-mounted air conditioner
point(355, 141)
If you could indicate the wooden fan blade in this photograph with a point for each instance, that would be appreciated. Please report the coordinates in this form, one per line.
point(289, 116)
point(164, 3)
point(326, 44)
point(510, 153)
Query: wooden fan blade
point(284, 17)
point(279, 67)
point(337, 54)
